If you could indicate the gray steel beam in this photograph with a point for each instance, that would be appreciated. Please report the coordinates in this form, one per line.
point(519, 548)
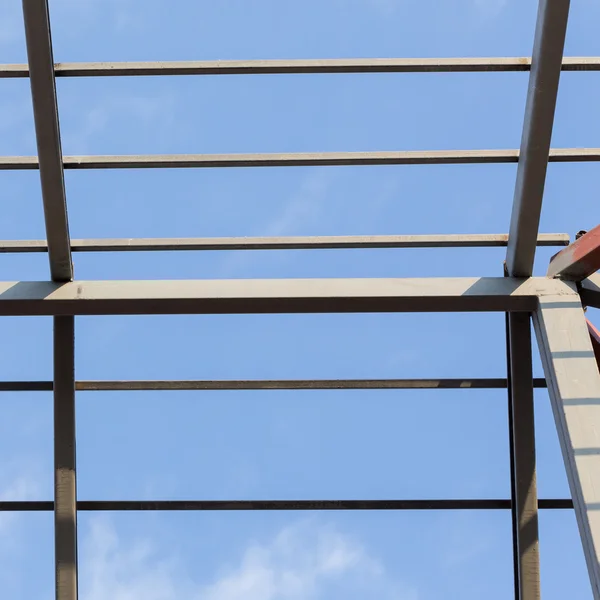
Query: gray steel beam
point(47, 133)
point(300, 66)
point(309, 159)
point(574, 388)
point(227, 505)
point(65, 485)
point(283, 243)
point(238, 296)
point(270, 384)
point(523, 454)
point(550, 32)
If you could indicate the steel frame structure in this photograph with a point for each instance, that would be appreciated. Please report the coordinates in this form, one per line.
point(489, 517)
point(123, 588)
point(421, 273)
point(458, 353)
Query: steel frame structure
point(571, 374)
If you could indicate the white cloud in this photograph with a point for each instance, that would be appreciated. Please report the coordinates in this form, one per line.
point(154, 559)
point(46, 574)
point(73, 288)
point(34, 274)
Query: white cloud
point(19, 487)
point(301, 209)
point(306, 561)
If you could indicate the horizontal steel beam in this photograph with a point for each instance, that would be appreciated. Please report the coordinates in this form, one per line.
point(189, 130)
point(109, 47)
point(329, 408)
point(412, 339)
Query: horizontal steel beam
point(300, 66)
point(308, 159)
point(578, 261)
point(270, 384)
point(283, 243)
point(222, 505)
point(238, 296)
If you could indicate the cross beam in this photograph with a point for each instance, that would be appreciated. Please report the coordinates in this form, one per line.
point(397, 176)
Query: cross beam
point(238, 296)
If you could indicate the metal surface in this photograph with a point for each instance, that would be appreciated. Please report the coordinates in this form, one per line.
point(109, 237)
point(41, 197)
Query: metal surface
point(283, 243)
point(299, 159)
point(47, 133)
point(590, 290)
point(595, 339)
point(579, 260)
point(304, 505)
point(574, 388)
point(65, 485)
point(256, 296)
point(547, 57)
point(524, 469)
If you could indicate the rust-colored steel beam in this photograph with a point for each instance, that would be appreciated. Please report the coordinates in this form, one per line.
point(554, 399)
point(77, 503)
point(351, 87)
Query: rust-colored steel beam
point(579, 260)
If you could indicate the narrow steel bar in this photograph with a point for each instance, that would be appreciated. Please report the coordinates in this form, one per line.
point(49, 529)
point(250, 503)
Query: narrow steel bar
point(282, 384)
point(550, 32)
point(47, 133)
point(524, 473)
point(574, 390)
point(579, 260)
point(277, 296)
point(223, 505)
point(283, 243)
point(314, 159)
point(511, 453)
point(65, 486)
point(301, 66)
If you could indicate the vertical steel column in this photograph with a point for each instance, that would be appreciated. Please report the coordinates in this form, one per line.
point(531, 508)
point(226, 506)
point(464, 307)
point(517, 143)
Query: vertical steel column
point(511, 450)
point(65, 487)
point(523, 469)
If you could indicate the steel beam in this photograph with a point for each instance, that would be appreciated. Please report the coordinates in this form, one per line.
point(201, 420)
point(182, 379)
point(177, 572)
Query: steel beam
point(579, 260)
point(590, 291)
point(550, 32)
point(255, 296)
point(308, 159)
point(523, 452)
point(301, 66)
point(47, 133)
point(574, 388)
point(283, 243)
point(305, 505)
point(270, 384)
point(595, 339)
point(65, 486)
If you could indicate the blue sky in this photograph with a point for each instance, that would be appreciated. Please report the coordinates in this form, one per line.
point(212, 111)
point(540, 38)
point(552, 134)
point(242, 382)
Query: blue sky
point(331, 444)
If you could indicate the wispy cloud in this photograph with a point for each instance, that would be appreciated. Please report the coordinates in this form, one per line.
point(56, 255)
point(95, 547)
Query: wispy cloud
point(306, 561)
point(489, 9)
point(14, 486)
point(301, 209)
point(110, 110)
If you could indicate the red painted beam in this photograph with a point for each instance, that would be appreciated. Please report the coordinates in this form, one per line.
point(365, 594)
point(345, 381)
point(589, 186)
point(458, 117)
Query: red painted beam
point(579, 260)
point(595, 335)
